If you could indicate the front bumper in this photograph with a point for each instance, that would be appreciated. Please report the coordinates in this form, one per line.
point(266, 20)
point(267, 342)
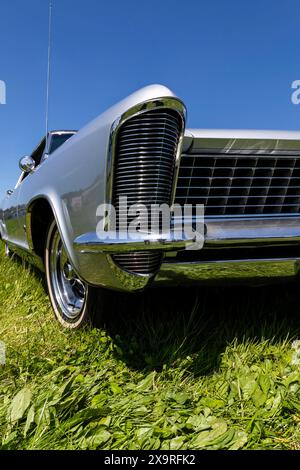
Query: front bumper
point(221, 236)
point(255, 271)
point(91, 243)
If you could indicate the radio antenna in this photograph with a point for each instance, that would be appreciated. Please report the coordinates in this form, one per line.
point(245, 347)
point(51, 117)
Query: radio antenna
point(48, 68)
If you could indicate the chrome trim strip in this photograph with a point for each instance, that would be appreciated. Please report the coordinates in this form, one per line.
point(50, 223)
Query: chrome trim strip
point(238, 231)
point(160, 103)
point(90, 243)
point(241, 230)
point(171, 103)
point(255, 216)
point(245, 139)
point(222, 233)
point(247, 270)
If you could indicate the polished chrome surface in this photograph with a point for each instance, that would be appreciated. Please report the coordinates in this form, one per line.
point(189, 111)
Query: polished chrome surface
point(164, 102)
point(69, 290)
point(90, 243)
point(145, 157)
point(128, 282)
point(27, 164)
point(140, 262)
point(235, 184)
point(167, 102)
point(252, 231)
point(250, 271)
point(249, 140)
point(143, 162)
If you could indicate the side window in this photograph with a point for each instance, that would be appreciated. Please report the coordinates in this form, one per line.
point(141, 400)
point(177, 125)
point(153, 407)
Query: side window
point(38, 153)
point(58, 140)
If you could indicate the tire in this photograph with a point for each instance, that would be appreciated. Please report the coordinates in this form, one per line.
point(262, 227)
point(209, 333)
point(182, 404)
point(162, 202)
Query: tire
point(75, 303)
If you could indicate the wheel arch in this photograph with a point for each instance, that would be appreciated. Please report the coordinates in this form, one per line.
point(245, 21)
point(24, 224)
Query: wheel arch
point(40, 213)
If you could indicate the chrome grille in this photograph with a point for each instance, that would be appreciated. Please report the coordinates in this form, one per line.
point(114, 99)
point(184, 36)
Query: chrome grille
point(141, 262)
point(144, 168)
point(240, 184)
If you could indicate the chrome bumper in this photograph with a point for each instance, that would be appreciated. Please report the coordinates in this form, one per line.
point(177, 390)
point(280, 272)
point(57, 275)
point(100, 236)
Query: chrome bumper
point(226, 232)
point(237, 231)
point(90, 243)
point(222, 272)
point(220, 235)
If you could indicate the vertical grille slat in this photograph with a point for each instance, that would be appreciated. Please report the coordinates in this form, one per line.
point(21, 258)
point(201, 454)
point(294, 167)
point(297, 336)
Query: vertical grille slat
point(240, 184)
point(145, 152)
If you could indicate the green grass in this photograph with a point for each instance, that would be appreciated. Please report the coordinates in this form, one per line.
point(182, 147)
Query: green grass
point(213, 368)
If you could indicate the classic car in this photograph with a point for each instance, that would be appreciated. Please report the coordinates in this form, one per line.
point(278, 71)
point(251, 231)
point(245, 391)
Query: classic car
point(246, 181)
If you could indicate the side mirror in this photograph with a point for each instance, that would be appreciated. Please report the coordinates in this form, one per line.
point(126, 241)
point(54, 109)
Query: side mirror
point(27, 164)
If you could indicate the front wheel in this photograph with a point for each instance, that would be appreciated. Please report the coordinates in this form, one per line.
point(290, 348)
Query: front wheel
point(73, 301)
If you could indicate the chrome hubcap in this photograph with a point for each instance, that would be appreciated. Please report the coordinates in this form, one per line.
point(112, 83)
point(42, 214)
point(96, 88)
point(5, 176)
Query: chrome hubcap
point(68, 272)
point(69, 290)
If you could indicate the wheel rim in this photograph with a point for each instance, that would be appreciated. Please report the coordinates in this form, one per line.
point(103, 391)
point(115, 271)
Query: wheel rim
point(69, 291)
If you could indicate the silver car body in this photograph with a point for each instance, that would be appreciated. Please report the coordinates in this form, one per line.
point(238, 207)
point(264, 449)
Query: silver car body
point(77, 177)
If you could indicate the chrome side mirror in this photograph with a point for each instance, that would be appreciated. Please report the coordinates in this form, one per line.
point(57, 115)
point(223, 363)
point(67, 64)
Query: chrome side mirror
point(27, 164)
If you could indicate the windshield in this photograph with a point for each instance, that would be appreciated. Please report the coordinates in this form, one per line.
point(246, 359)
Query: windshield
point(58, 139)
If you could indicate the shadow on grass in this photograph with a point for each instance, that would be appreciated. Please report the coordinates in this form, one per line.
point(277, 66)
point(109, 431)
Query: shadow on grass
point(165, 326)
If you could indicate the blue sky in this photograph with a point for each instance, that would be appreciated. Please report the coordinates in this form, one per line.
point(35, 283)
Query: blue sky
point(232, 62)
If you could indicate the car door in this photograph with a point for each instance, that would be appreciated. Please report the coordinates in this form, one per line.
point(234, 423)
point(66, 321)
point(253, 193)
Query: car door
point(23, 198)
point(13, 229)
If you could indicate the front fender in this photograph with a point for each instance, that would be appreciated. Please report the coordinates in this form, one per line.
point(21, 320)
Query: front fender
point(75, 181)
